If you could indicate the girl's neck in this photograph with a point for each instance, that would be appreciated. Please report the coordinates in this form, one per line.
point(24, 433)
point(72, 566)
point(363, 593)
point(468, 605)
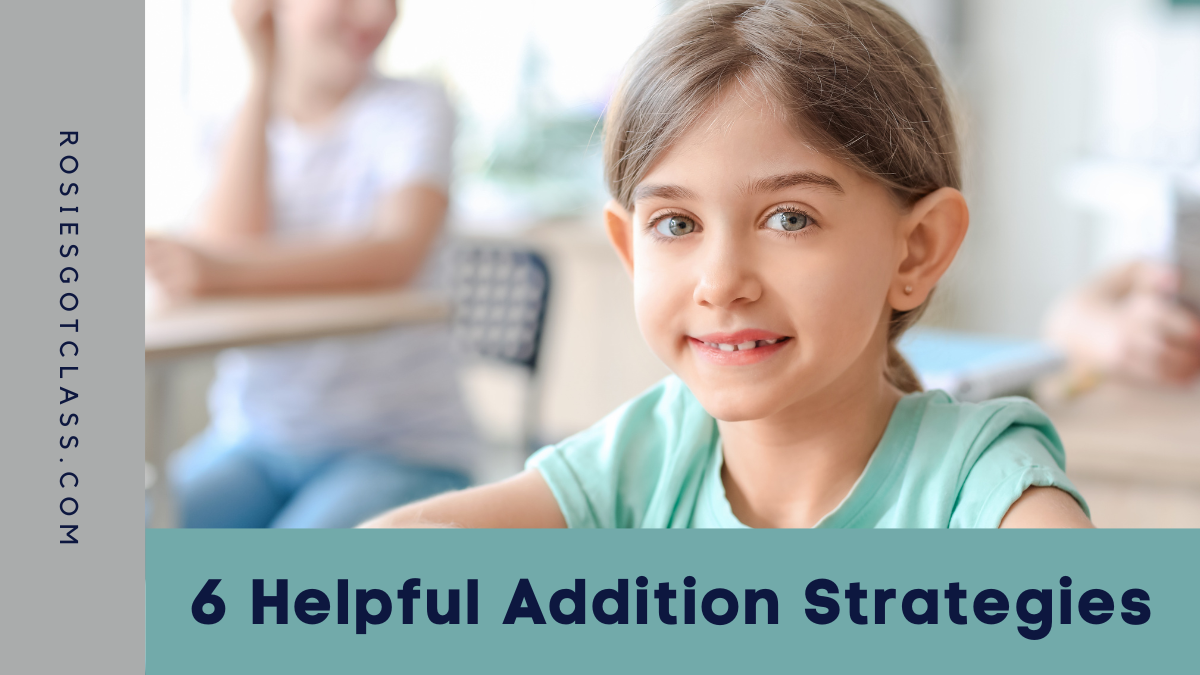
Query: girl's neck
point(310, 101)
point(792, 468)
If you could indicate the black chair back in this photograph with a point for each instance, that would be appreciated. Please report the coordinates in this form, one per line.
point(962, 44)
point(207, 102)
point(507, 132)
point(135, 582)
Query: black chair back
point(500, 297)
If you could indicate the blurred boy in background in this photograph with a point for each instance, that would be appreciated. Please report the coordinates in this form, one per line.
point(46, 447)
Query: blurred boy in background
point(329, 178)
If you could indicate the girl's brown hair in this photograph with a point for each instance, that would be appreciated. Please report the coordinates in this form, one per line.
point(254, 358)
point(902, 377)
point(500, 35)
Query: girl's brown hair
point(852, 76)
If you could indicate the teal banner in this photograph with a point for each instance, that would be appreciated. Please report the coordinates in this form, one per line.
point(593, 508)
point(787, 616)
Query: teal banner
point(336, 601)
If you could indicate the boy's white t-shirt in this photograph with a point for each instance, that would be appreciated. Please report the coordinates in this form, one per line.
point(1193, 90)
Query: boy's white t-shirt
point(392, 391)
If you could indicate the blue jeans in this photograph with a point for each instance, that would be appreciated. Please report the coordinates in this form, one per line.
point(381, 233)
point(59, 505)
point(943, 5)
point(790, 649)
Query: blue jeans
point(217, 485)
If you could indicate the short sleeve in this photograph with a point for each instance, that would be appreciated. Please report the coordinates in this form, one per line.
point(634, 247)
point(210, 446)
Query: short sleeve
point(1019, 458)
point(627, 469)
point(413, 126)
point(579, 473)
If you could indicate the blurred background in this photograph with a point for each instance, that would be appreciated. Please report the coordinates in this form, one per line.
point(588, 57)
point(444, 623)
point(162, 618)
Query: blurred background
point(1077, 117)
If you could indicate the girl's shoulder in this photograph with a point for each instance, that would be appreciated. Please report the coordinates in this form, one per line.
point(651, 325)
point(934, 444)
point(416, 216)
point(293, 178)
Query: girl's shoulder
point(610, 474)
point(972, 427)
point(664, 415)
point(980, 457)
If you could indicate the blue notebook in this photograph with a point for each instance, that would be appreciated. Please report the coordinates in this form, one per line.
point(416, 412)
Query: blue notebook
point(975, 367)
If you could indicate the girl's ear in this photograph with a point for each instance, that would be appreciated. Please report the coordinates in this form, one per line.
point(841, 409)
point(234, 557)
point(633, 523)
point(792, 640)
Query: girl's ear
point(619, 224)
point(930, 236)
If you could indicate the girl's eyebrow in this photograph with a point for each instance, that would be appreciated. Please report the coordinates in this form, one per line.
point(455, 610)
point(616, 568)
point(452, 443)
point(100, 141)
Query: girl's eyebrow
point(768, 184)
point(787, 180)
point(670, 192)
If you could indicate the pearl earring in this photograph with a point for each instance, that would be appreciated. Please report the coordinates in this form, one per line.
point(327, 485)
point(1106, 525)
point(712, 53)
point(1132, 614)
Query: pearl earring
point(908, 289)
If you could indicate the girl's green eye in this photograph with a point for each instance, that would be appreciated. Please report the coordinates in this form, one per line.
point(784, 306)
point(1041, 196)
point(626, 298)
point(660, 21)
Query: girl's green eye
point(675, 226)
point(788, 221)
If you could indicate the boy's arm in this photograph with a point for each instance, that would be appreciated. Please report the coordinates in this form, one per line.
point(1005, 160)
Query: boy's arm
point(1045, 507)
point(525, 500)
point(238, 210)
point(408, 222)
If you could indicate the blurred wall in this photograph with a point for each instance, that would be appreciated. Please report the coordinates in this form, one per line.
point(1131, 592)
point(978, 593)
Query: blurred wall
point(1022, 86)
point(1047, 89)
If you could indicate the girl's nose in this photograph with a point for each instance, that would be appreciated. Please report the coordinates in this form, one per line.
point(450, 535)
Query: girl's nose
point(727, 274)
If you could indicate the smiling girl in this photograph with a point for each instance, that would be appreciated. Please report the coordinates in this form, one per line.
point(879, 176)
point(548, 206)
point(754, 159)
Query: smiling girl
point(785, 181)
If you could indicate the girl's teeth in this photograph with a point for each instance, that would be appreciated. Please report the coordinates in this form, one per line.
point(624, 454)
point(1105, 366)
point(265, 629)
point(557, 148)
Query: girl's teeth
point(741, 346)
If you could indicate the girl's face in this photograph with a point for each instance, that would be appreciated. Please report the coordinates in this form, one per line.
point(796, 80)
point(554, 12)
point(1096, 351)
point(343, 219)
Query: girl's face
point(762, 269)
point(338, 38)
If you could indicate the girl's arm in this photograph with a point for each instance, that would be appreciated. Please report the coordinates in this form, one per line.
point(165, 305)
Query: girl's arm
point(408, 222)
point(1045, 507)
point(524, 500)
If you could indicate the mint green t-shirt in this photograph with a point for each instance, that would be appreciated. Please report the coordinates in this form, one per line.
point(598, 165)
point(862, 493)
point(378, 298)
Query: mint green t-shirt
point(656, 462)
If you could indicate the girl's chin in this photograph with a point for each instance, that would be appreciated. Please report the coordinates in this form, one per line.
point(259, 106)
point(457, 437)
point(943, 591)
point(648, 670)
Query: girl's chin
point(735, 404)
point(736, 413)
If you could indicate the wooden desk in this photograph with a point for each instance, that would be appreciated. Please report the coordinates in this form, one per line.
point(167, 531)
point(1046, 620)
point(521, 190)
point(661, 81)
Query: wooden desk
point(211, 325)
point(207, 326)
point(1134, 453)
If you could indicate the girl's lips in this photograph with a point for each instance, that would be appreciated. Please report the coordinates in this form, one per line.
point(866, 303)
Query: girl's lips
point(739, 337)
point(738, 349)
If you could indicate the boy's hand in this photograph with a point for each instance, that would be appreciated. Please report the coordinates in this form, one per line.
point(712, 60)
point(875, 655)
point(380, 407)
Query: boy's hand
point(181, 270)
point(256, 21)
point(1156, 339)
